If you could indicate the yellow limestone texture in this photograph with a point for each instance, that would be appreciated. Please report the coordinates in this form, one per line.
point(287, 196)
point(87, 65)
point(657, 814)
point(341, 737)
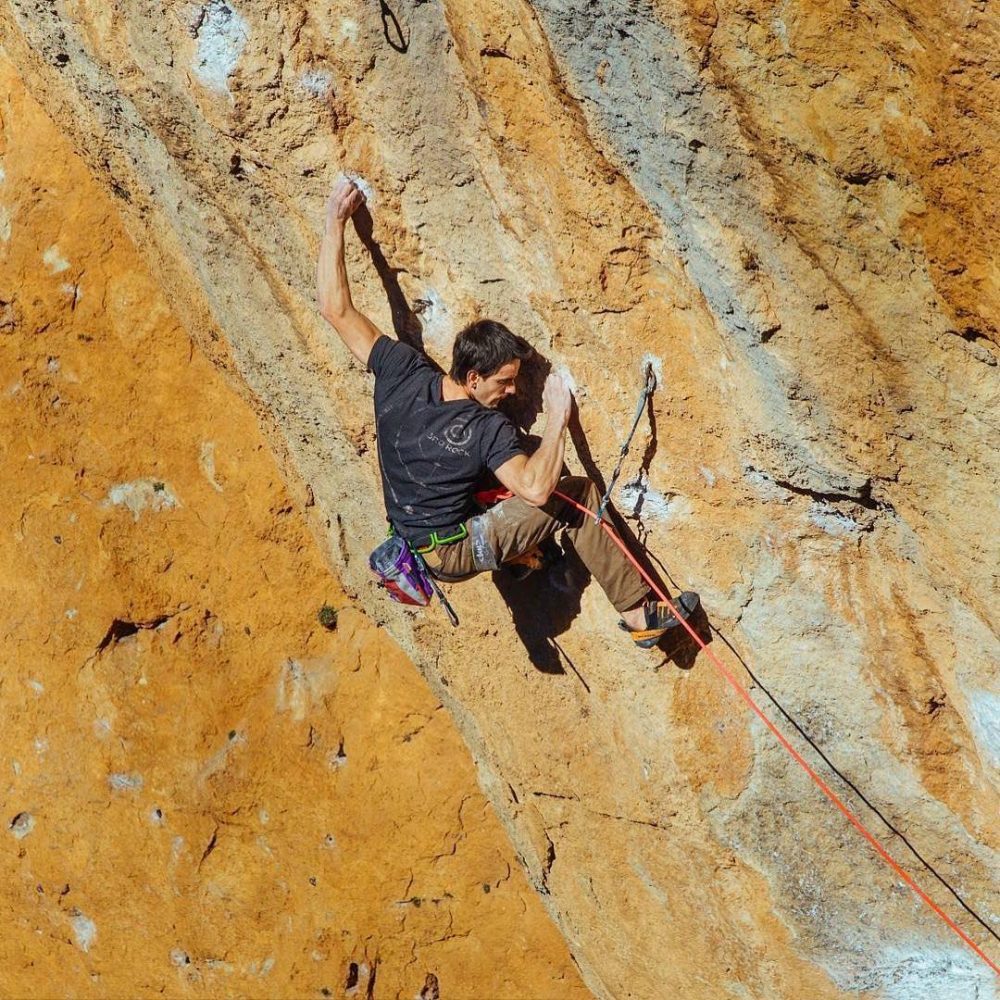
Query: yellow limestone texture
point(206, 794)
point(791, 209)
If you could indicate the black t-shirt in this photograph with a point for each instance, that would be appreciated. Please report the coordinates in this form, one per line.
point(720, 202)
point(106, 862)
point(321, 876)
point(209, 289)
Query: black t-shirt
point(432, 452)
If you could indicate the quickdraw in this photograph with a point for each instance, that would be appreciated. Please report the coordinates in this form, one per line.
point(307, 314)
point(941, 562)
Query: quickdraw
point(648, 387)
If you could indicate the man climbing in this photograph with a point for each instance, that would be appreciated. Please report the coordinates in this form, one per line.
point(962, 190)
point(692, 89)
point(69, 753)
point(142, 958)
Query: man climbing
point(438, 434)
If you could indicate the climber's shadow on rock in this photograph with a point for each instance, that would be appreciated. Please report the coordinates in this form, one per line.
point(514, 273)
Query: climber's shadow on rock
point(679, 648)
point(405, 322)
point(544, 604)
point(524, 407)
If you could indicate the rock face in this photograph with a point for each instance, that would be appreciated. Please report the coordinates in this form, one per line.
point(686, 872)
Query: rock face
point(206, 793)
point(789, 210)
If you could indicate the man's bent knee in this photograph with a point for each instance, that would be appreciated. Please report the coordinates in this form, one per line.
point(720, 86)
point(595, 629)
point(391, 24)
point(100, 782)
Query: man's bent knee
point(582, 489)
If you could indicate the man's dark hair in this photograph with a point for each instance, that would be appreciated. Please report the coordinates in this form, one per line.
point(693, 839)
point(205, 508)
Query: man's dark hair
point(485, 346)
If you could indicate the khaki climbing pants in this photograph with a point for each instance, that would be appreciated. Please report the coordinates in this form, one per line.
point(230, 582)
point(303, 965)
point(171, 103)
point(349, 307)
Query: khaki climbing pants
point(514, 527)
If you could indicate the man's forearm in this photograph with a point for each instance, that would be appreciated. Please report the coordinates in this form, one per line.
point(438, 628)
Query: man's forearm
point(544, 468)
point(333, 290)
point(356, 330)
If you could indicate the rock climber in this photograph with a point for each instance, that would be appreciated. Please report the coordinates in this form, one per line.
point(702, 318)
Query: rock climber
point(438, 434)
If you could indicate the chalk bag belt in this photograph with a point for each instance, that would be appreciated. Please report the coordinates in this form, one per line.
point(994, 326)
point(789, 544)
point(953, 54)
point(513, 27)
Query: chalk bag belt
point(443, 537)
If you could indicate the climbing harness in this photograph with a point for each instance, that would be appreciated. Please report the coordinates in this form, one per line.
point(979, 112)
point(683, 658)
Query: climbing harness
point(782, 739)
point(434, 539)
point(648, 385)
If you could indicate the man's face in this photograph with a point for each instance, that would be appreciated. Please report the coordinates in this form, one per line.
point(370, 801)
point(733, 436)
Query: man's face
point(491, 390)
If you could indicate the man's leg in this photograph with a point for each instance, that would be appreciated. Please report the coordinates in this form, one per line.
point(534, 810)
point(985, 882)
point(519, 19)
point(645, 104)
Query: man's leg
point(614, 571)
point(618, 578)
point(514, 527)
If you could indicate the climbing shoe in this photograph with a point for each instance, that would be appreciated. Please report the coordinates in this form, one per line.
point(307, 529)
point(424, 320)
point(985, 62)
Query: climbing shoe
point(660, 619)
point(542, 556)
point(526, 563)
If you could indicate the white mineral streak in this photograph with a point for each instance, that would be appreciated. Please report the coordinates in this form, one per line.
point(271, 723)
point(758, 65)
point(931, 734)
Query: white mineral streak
point(222, 36)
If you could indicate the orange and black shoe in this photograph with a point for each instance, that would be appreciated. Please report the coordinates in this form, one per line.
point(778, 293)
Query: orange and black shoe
point(660, 619)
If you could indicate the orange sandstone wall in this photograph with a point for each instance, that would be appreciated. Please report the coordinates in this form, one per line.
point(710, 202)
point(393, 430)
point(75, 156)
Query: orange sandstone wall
point(205, 793)
point(790, 208)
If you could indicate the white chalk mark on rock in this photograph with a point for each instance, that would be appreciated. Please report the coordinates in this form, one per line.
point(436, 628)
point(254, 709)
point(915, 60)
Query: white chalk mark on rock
point(293, 690)
point(141, 494)
point(929, 974)
point(54, 261)
point(317, 82)
point(765, 487)
point(435, 319)
point(656, 363)
point(985, 708)
point(349, 29)
point(5, 225)
point(84, 930)
point(637, 500)
point(300, 683)
point(781, 31)
point(220, 758)
point(655, 889)
point(261, 969)
point(207, 463)
point(21, 825)
point(337, 758)
point(832, 521)
point(222, 36)
point(179, 957)
point(122, 782)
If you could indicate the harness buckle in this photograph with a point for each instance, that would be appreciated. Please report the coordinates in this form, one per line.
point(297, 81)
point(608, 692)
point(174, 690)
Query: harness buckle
point(436, 539)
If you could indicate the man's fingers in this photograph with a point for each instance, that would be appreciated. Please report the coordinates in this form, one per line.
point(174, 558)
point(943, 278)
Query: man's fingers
point(346, 197)
point(343, 189)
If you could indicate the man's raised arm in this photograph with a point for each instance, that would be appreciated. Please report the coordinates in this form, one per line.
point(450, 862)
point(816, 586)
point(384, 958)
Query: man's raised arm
point(533, 479)
point(356, 330)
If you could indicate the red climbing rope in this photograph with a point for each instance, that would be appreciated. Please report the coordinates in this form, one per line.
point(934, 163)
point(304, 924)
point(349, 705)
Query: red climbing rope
point(758, 711)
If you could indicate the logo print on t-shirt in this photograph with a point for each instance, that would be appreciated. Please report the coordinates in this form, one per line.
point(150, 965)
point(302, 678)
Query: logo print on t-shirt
point(458, 435)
